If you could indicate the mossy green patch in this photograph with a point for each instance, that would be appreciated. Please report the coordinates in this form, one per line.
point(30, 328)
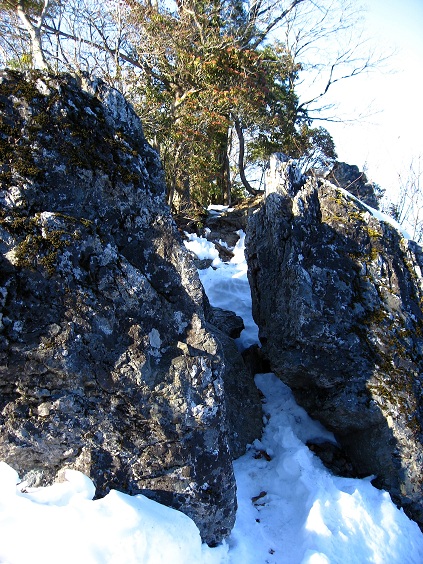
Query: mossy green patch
point(41, 249)
point(66, 125)
point(20, 86)
point(37, 245)
point(374, 233)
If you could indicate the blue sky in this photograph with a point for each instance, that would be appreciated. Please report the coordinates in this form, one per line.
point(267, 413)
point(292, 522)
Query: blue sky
point(387, 140)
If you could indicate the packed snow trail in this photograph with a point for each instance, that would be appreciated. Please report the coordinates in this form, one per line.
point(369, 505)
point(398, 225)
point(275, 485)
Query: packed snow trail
point(226, 283)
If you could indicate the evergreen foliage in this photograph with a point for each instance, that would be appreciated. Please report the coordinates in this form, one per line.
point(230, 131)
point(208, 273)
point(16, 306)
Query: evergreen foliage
point(211, 88)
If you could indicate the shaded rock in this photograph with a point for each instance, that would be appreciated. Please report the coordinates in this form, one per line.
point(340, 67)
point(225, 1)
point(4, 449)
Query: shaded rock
point(227, 321)
point(226, 224)
point(201, 264)
point(242, 398)
point(283, 175)
point(255, 361)
point(337, 297)
point(352, 179)
point(219, 227)
point(335, 459)
point(106, 362)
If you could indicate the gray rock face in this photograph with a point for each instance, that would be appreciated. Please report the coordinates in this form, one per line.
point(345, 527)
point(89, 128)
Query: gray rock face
point(228, 322)
point(283, 175)
point(337, 296)
point(106, 362)
point(242, 398)
point(352, 179)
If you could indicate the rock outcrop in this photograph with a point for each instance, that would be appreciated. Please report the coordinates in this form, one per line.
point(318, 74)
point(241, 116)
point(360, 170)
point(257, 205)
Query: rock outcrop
point(355, 181)
point(107, 363)
point(337, 295)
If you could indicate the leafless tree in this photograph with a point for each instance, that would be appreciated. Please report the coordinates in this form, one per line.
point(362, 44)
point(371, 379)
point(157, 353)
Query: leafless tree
point(323, 37)
point(407, 209)
point(31, 16)
point(328, 42)
point(113, 40)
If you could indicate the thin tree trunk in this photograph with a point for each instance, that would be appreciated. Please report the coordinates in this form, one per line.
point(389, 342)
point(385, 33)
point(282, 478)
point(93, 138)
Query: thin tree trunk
point(39, 60)
point(241, 168)
point(224, 179)
point(34, 30)
point(227, 178)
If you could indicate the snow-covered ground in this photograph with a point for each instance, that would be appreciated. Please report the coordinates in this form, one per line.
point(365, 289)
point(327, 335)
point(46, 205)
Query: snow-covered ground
point(291, 509)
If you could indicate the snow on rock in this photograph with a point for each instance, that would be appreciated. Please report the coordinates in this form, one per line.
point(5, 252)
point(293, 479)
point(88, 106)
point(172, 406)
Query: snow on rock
point(337, 295)
point(202, 248)
point(75, 486)
point(381, 216)
point(98, 302)
point(291, 510)
point(218, 209)
point(66, 528)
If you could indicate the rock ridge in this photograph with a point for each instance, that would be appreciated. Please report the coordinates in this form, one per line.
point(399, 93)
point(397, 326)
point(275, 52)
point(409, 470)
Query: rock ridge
point(337, 295)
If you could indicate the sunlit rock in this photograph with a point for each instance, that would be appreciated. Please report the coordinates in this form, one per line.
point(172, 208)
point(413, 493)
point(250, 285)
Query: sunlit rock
point(337, 294)
point(107, 366)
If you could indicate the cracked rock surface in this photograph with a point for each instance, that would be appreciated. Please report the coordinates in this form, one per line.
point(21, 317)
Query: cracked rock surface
point(337, 295)
point(106, 363)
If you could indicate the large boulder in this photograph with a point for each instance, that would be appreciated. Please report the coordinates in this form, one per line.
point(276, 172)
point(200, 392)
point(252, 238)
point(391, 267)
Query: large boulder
point(355, 181)
point(107, 365)
point(337, 295)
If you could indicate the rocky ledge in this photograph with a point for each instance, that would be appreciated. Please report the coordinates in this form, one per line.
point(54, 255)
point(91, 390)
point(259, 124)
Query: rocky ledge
point(337, 294)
